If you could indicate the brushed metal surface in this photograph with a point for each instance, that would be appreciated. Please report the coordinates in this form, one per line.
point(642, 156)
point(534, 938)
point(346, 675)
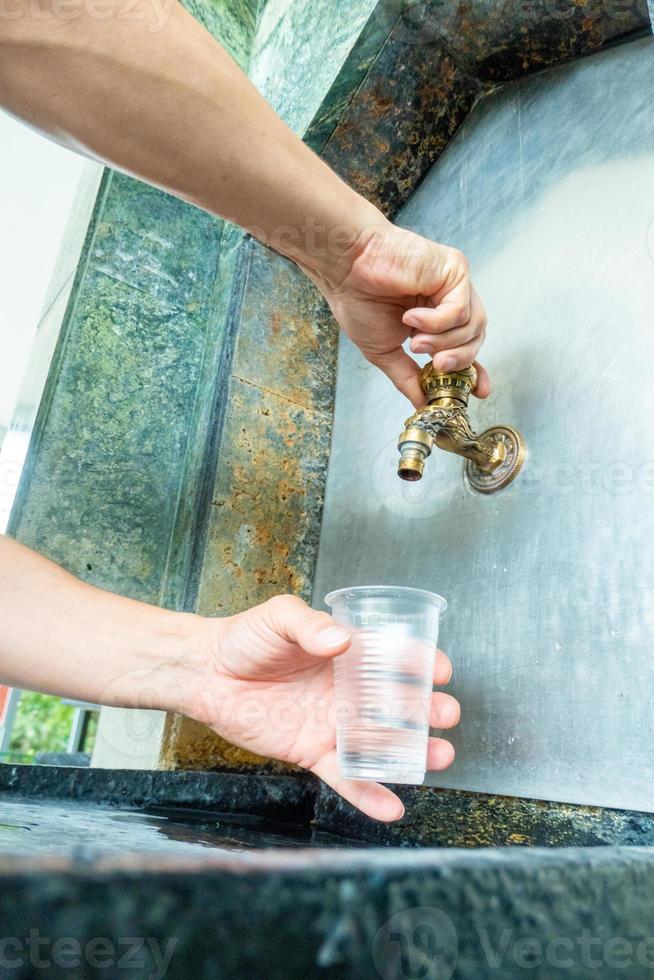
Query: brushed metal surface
point(549, 188)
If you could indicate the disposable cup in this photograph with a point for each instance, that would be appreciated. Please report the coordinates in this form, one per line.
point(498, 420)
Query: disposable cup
point(383, 683)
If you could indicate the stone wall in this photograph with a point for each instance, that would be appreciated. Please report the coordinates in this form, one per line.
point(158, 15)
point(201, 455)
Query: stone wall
point(161, 422)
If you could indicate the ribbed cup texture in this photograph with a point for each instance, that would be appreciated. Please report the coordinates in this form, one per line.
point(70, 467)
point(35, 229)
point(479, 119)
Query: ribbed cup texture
point(383, 687)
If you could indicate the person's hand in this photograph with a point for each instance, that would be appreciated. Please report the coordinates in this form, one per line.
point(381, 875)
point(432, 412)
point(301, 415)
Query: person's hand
point(398, 285)
point(264, 682)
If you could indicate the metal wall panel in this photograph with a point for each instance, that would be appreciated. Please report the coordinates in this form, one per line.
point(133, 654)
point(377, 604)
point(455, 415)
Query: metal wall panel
point(549, 188)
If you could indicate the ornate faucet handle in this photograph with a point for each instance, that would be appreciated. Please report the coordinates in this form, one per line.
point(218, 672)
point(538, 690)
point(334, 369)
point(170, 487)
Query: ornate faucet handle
point(455, 385)
point(494, 458)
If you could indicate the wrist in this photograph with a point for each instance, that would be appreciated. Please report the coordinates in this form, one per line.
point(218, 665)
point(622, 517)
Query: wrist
point(326, 252)
point(168, 653)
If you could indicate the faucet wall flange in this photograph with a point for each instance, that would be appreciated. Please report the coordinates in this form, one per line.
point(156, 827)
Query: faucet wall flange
point(510, 442)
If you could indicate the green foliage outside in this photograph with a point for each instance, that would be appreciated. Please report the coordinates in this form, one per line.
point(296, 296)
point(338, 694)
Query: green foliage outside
point(43, 724)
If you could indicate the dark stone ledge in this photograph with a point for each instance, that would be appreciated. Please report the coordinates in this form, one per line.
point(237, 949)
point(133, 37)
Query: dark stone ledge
point(339, 914)
point(281, 798)
point(305, 910)
point(434, 817)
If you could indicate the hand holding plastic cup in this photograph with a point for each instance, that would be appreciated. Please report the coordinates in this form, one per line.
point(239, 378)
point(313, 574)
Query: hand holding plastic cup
point(383, 684)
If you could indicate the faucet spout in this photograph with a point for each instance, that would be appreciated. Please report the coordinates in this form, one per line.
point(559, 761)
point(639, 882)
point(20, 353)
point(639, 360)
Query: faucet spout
point(494, 458)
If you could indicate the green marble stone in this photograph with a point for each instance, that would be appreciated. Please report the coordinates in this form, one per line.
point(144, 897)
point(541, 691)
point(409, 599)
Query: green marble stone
point(186, 554)
point(299, 50)
point(232, 22)
point(100, 489)
point(156, 243)
point(406, 111)
point(351, 75)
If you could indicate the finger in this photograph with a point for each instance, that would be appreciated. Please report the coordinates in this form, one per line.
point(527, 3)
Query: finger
point(452, 311)
point(403, 372)
point(442, 668)
point(373, 799)
point(459, 358)
point(445, 711)
point(316, 632)
point(460, 323)
point(483, 388)
point(430, 343)
point(440, 754)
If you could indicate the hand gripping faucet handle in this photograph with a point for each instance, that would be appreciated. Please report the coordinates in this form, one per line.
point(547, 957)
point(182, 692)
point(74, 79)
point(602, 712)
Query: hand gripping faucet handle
point(493, 459)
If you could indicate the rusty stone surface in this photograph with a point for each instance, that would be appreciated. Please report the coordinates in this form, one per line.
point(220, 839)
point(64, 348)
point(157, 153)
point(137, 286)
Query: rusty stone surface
point(265, 513)
point(438, 817)
point(287, 340)
point(187, 744)
point(263, 531)
point(406, 112)
point(264, 518)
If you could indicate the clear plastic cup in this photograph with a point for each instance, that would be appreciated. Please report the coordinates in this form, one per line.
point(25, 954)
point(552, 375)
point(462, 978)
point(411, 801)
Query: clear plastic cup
point(383, 683)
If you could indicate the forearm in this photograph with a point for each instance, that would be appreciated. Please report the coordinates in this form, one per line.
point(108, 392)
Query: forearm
point(64, 637)
point(174, 109)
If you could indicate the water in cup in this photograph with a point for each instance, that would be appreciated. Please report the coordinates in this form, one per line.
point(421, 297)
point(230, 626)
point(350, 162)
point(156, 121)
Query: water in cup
point(383, 683)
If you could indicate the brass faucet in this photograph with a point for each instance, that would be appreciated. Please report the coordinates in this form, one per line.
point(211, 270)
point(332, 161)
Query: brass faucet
point(494, 458)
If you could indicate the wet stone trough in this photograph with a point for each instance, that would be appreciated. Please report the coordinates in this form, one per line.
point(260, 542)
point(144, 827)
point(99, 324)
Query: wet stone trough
point(240, 875)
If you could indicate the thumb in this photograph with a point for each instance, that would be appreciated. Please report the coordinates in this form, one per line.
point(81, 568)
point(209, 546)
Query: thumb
point(403, 371)
point(316, 632)
point(483, 382)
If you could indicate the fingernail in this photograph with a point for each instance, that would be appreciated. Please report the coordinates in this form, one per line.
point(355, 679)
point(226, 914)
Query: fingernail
point(411, 321)
point(387, 807)
point(335, 636)
point(447, 364)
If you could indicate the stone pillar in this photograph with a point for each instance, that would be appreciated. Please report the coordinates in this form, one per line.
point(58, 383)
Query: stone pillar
point(114, 485)
point(264, 520)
